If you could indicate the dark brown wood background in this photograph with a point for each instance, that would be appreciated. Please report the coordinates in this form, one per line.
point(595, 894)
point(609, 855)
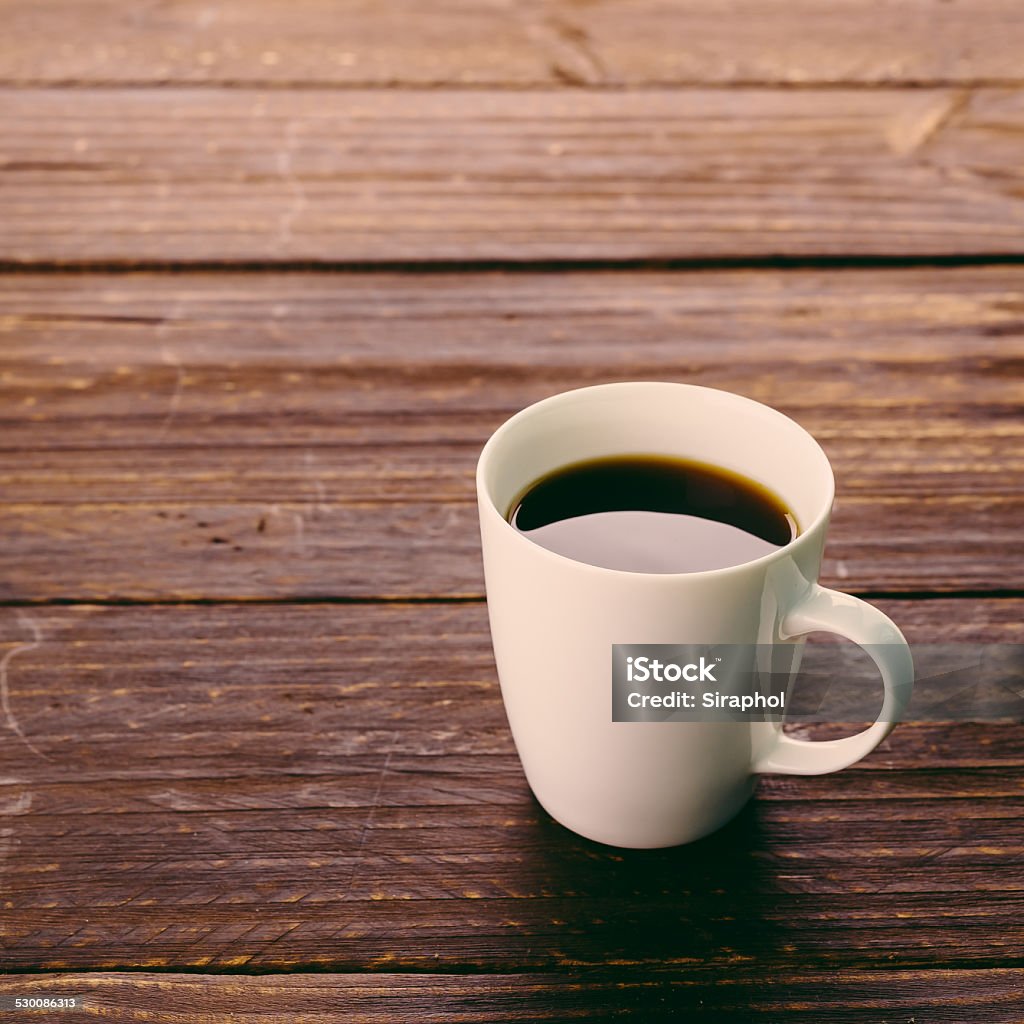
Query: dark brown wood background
point(270, 276)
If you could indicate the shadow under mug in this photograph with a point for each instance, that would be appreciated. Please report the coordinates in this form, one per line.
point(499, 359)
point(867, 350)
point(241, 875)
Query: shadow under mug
point(554, 620)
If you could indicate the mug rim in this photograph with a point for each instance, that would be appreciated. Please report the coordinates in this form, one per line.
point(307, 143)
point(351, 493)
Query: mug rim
point(801, 539)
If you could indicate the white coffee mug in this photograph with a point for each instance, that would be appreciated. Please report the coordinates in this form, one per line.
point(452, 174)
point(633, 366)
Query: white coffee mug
point(554, 620)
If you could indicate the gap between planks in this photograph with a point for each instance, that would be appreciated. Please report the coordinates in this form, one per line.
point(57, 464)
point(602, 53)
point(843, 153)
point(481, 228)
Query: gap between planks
point(1007, 594)
point(442, 266)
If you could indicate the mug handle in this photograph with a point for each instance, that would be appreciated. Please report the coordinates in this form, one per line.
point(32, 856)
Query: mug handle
point(862, 623)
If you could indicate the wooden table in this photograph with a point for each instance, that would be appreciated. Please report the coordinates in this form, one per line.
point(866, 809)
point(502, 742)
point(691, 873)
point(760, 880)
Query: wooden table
point(271, 275)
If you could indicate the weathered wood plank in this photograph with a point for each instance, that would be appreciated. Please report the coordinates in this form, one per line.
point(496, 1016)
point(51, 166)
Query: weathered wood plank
point(107, 677)
point(651, 931)
point(265, 786)
point(219, 175)
point(288, 549)
point(550, 42)
point(230, 436)
point(848, 997)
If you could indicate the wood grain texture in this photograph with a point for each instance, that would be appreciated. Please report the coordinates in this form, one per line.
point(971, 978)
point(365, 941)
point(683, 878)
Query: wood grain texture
point(260, 787)
point(540, 42)
point(185, 175)
point(331, 788)
point(850, 997)
point(316, 434)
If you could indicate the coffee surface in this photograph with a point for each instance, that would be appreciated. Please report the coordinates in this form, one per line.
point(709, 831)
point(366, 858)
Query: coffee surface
point(651, 513)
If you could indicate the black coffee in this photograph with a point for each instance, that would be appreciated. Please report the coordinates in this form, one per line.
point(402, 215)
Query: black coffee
point(652, 513)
